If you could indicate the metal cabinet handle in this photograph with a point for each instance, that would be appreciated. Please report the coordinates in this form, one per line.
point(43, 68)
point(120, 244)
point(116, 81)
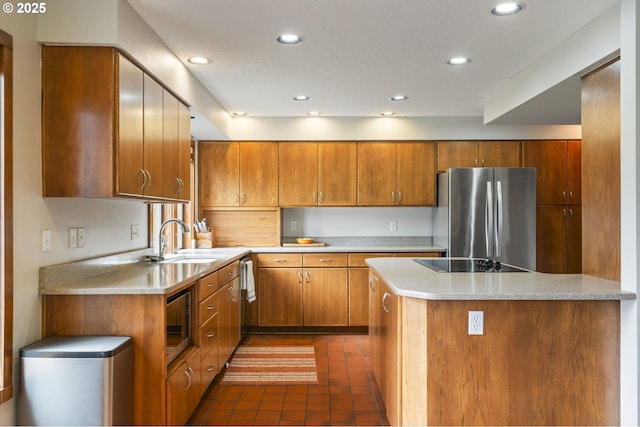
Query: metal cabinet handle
point(564, 212)
point(399, 196)
point(281, 261)
point(384, 298)
point(314, 197)
point(321, 198)
point(475, 162)
point(210, 285)
point(244, 198)
point(326, 260)
point(186, 373)
point(299, 276)
point(211, 307)
point(371, 280)
point(236, 198)
point(564, 195)
point(570, 195)
point(211, 334)
point(482, 163)
point(393, 197)
point(144, 178)
point(306, 274)
point(210, 368)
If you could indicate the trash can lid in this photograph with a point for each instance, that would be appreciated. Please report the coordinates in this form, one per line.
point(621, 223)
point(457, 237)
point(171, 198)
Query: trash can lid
point(76, 347)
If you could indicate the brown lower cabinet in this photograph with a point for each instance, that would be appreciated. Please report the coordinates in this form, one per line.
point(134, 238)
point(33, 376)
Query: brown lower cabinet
point(539, 362)
point(162, 394)
point(559, 239)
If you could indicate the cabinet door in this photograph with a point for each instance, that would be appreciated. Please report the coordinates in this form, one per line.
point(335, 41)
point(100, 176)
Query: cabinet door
point(390, 354)
point(376, 174)
point(325, 297)
point(130, 176)
point(574, 239)
point(153, 136)
point(218, 165)
point(499, 154)
point(457, 154)
point(228, 319)
point(416, 174)
point(170, 147)
point(183, 391)
point(337, 173)
point(550, 160)
point(358, 296)
point(375, 290)
point(184, 156)
point(298, 173)
point(279, 294)
point(551, 239)
point(574, 172)
point(258, 173)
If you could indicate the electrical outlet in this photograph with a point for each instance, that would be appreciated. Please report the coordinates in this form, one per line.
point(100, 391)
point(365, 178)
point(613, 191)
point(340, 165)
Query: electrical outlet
point(46, 240)
point(73, 238)
point(81, 237)
point(476, 322)
point(294, 225)
point(135, 232)
point(393, 226)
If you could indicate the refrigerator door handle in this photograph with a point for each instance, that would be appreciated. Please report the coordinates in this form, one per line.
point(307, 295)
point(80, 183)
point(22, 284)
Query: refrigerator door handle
point(488, 219)
point(499, 217)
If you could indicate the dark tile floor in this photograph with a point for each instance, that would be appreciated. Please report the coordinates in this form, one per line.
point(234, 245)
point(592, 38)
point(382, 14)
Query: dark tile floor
point(346, 393)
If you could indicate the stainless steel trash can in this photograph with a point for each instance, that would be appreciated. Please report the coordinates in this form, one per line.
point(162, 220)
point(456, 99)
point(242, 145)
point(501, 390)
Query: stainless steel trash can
point(76, 380)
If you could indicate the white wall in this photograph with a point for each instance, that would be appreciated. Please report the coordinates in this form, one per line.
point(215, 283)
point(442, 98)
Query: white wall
point(361, 222)
point(630, 208)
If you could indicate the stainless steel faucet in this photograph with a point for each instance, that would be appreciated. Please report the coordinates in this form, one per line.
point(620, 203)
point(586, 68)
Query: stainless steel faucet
point(163, 246)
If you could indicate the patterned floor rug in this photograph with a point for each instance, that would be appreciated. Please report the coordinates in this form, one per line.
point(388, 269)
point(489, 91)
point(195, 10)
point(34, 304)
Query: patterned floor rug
point(271, 365)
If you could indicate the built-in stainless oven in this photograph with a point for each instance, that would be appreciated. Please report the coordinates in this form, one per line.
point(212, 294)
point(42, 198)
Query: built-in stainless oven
point(179, 328)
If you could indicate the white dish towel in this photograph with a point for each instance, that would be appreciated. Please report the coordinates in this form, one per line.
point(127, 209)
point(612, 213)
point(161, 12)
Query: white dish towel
point(248, 282)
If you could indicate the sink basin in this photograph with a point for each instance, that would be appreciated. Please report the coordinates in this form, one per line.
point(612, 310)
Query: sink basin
point(191, 260)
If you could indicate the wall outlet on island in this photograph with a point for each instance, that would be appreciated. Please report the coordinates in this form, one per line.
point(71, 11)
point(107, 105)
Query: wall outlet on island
point(476, 322)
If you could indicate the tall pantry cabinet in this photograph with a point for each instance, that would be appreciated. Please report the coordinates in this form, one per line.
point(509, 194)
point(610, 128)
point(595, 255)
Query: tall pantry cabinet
point(559, 210)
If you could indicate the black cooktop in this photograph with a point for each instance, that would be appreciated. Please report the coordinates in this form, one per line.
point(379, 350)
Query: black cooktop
point(468, 266)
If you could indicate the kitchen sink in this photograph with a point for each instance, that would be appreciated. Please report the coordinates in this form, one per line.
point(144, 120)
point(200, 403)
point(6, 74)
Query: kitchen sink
point(193, 259)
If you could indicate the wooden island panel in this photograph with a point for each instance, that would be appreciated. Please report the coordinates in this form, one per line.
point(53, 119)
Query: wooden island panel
point(538, 363)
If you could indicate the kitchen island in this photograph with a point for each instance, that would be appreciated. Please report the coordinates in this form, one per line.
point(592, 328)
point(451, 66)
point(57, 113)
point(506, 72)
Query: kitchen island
point(494, 348)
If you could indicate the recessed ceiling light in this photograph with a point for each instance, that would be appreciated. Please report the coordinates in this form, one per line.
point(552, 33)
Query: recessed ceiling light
point(458, 60)
point(387, 113)
point(314, 113)
point(301, 98)
point(398, 98)
point(199, 60)
point(239, 113)
point(510, 8)
point(289, 39)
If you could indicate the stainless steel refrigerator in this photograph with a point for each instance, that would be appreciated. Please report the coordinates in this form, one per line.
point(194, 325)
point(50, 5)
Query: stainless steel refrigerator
point(488, 213)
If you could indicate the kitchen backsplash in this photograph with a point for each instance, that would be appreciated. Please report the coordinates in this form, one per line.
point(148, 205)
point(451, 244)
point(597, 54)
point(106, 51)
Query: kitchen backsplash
point(357, 222)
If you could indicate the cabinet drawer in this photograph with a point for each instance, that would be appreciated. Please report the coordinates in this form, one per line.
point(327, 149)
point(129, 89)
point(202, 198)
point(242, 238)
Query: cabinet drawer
point(324, 260)
point(208, 334)
point(280, 260)
point(207, 285)
point(207, 308)
point(210, 367)
point(228, 272)
point(357, 259)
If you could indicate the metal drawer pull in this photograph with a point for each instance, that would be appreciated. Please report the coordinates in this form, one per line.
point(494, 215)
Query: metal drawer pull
point(281, 260)
point(211, 307)
point(326, 260)
point(210, 285)
point(211, 334)
point(371, 280)
point(384, 297)
point(210, 368)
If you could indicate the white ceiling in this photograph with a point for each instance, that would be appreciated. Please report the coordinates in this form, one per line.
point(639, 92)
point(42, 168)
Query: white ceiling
point(358, 53)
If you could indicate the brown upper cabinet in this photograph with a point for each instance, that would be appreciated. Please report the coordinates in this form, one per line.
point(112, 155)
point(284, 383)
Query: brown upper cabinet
point(470, 154)
point(396, 174)
point(238, 173)
point(558, 165)
point(317, 174)
point(110, 130)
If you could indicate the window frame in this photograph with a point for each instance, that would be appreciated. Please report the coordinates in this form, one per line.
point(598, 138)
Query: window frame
point(6, 213)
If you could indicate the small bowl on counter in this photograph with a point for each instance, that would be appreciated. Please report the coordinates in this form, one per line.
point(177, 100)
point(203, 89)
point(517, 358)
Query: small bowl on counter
point(304, 240)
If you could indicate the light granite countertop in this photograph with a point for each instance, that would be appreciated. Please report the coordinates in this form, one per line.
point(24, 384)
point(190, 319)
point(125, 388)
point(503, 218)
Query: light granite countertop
point(410, 279)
